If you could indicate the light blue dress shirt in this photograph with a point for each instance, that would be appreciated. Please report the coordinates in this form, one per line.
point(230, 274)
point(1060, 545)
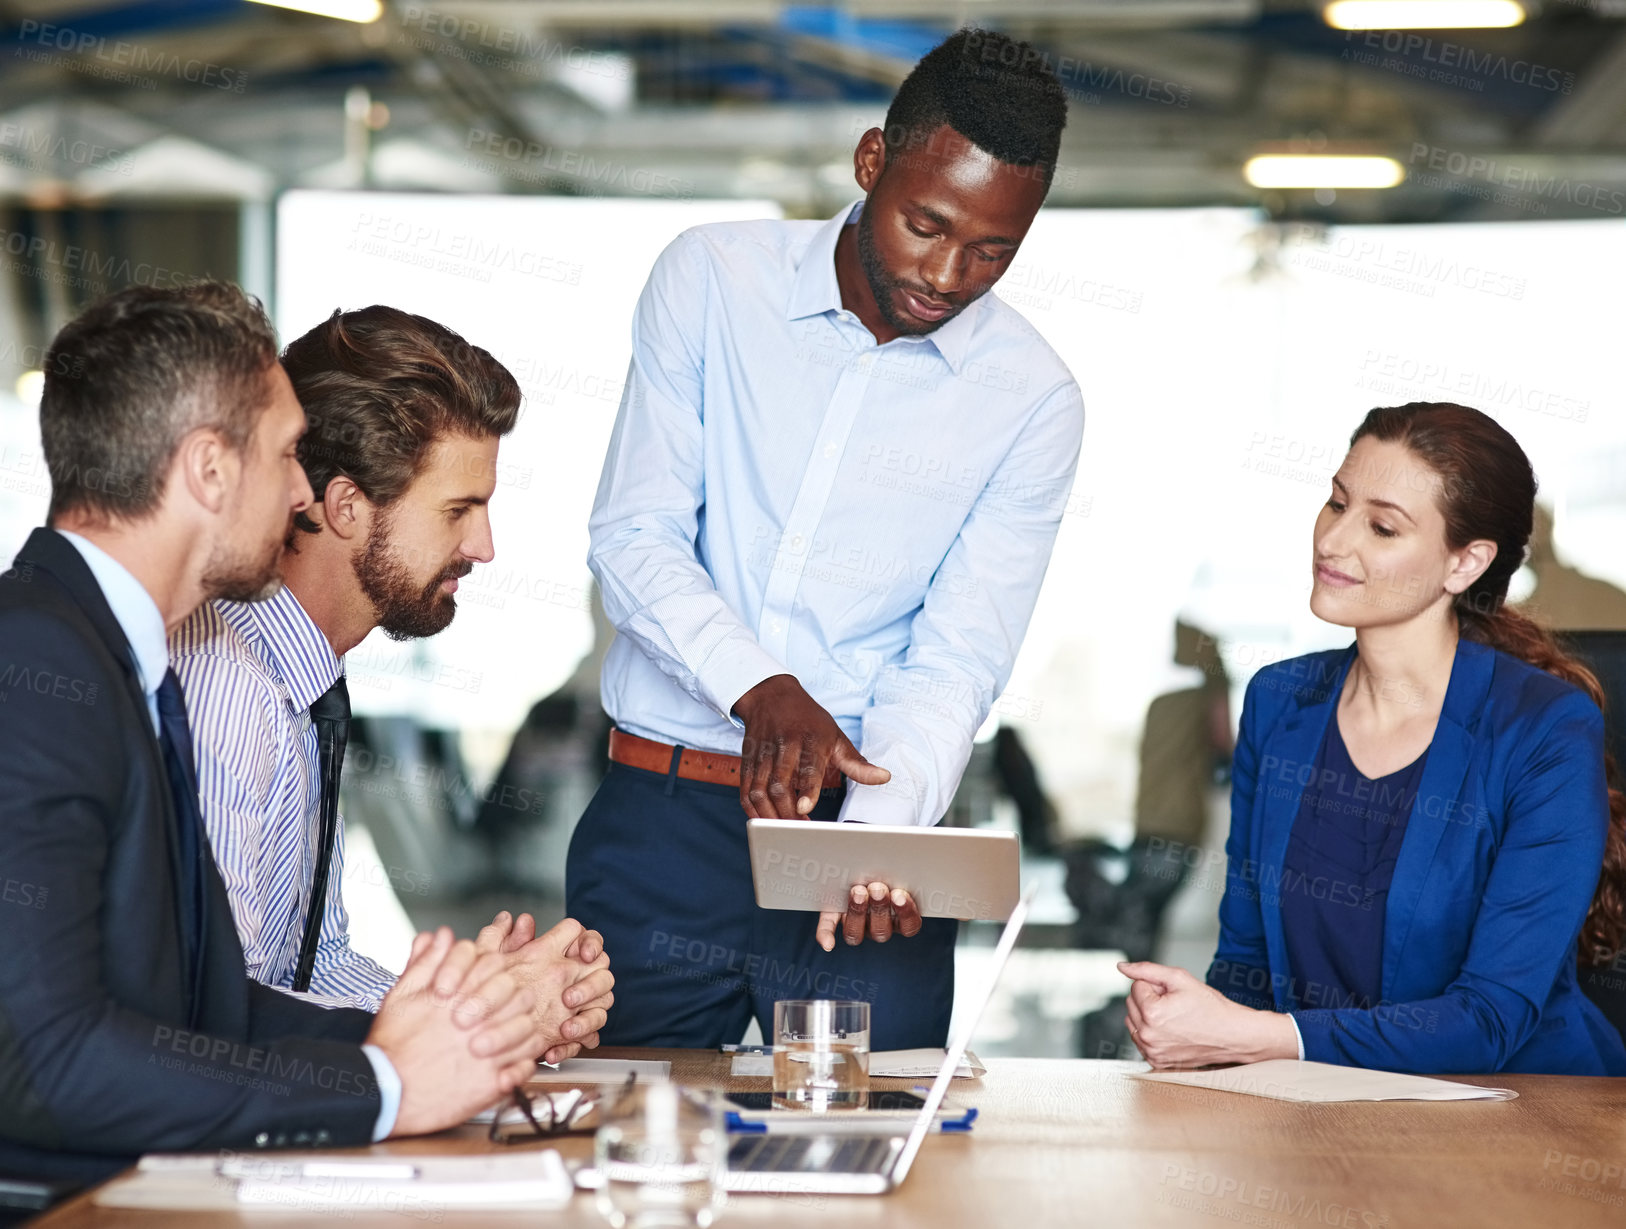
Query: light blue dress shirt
point(137, 613)
point(781, 495)
point(143, 626)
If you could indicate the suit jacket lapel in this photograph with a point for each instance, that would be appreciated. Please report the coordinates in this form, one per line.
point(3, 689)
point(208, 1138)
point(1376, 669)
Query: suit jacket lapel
point(1433, 812)
point(50, 552)
point(1286, 769)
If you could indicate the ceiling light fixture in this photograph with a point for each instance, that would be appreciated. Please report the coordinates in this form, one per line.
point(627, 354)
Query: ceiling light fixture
point(344, 10)
point(1322, 171)
point(1423, 14)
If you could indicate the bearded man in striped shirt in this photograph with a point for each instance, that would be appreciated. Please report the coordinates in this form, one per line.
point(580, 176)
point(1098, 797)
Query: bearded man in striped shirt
point(405, 417)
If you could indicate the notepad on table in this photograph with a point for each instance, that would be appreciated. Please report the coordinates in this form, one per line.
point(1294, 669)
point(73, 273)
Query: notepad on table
point(1290, 1079)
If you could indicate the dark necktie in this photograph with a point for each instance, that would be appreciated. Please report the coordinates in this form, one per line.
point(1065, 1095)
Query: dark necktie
point(331, 716)
point(176, 738)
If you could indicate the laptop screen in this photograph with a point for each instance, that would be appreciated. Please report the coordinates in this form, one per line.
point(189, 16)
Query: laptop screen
point(959, 1044)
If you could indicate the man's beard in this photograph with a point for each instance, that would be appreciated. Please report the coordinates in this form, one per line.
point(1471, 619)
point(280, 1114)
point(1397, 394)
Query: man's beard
point(244, 579)
point(885, 287)
point(406, 609)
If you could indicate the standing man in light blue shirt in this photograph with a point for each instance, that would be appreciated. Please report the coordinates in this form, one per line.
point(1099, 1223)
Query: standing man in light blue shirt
point(824, 517)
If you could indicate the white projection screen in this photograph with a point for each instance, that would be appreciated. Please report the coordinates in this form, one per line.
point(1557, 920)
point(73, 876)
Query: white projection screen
point(1224, 361)
point(547, 284)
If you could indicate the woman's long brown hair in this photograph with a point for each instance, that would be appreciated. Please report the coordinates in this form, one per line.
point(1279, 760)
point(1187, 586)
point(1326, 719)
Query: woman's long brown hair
point(1489, 492)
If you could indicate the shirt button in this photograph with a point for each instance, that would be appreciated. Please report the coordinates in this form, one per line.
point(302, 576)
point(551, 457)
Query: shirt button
point(829, 450)
point(796, 542)
point(778, 626)
point(262, 1139)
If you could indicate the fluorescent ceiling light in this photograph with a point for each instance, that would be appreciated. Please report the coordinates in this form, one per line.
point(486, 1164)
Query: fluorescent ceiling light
point(1322, 171)
point(344, 10)
point(1423, 14)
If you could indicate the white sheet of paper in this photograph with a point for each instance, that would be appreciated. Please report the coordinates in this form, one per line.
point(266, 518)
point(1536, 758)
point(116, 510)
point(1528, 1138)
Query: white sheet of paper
point(525, 1179)
point(602, 1071)
point(890, 1064)
point(1289, 1079)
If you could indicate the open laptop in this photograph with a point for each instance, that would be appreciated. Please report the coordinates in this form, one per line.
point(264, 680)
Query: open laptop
point(849, 1160)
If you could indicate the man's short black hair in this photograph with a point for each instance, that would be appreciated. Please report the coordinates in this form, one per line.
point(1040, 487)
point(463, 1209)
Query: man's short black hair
point(995, 91)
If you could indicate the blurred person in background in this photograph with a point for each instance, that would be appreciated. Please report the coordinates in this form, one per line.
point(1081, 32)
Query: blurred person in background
point(130, 1023)
point(1566, 598)
point(405, 422)
point(1185, 746)
point(1425, 838)
point(829, 500)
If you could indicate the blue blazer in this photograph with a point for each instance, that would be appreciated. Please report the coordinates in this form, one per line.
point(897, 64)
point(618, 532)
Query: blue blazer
point(1497, 869)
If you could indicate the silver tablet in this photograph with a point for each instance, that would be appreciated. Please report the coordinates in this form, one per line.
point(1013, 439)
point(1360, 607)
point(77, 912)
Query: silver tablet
point(964, 873)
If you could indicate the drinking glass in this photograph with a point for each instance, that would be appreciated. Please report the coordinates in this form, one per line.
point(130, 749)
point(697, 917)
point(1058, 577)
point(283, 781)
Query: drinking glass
point(820, 1055)
point(660, 1152)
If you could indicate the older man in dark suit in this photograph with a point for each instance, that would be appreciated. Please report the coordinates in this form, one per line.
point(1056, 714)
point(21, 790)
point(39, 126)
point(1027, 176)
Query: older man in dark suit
point(127, 1022)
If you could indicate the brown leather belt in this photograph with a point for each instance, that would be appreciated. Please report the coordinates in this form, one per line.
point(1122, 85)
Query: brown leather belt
point(713, 767)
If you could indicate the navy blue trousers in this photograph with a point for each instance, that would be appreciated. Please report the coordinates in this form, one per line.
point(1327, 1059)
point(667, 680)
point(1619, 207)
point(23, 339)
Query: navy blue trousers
point(660, 867)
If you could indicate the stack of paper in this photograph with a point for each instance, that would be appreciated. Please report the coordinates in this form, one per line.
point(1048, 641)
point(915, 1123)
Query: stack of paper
point(506, 1180)
point(417, 1185)
point(1289, 1079)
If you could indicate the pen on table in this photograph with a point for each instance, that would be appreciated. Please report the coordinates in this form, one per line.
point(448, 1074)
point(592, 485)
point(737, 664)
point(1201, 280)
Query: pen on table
point(264, 1169)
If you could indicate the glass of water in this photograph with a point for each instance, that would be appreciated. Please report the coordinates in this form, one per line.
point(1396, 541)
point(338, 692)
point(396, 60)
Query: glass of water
point(820, 1055)
point(660, 1152)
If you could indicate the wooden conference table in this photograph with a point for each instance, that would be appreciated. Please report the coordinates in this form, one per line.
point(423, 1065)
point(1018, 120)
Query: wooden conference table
point(1073, 1142)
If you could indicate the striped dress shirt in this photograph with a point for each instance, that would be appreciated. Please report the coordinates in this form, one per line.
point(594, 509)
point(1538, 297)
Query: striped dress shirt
point(251, 671)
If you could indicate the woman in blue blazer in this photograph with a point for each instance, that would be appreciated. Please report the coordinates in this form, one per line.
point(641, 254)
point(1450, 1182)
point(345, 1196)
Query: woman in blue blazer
point(1423, 838)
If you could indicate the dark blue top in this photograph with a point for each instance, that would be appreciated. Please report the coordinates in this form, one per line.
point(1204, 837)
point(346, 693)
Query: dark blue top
point(1336, 872)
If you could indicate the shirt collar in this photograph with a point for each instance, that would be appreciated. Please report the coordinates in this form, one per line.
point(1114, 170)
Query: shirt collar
point(815, 290)
point(133, 607)
point(296, 650)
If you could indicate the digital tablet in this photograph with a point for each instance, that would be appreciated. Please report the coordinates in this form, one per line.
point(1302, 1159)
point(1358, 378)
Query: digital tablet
point(965, 873)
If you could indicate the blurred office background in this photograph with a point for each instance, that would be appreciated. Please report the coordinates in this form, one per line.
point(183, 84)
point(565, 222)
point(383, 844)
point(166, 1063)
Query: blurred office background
point(512, 170)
